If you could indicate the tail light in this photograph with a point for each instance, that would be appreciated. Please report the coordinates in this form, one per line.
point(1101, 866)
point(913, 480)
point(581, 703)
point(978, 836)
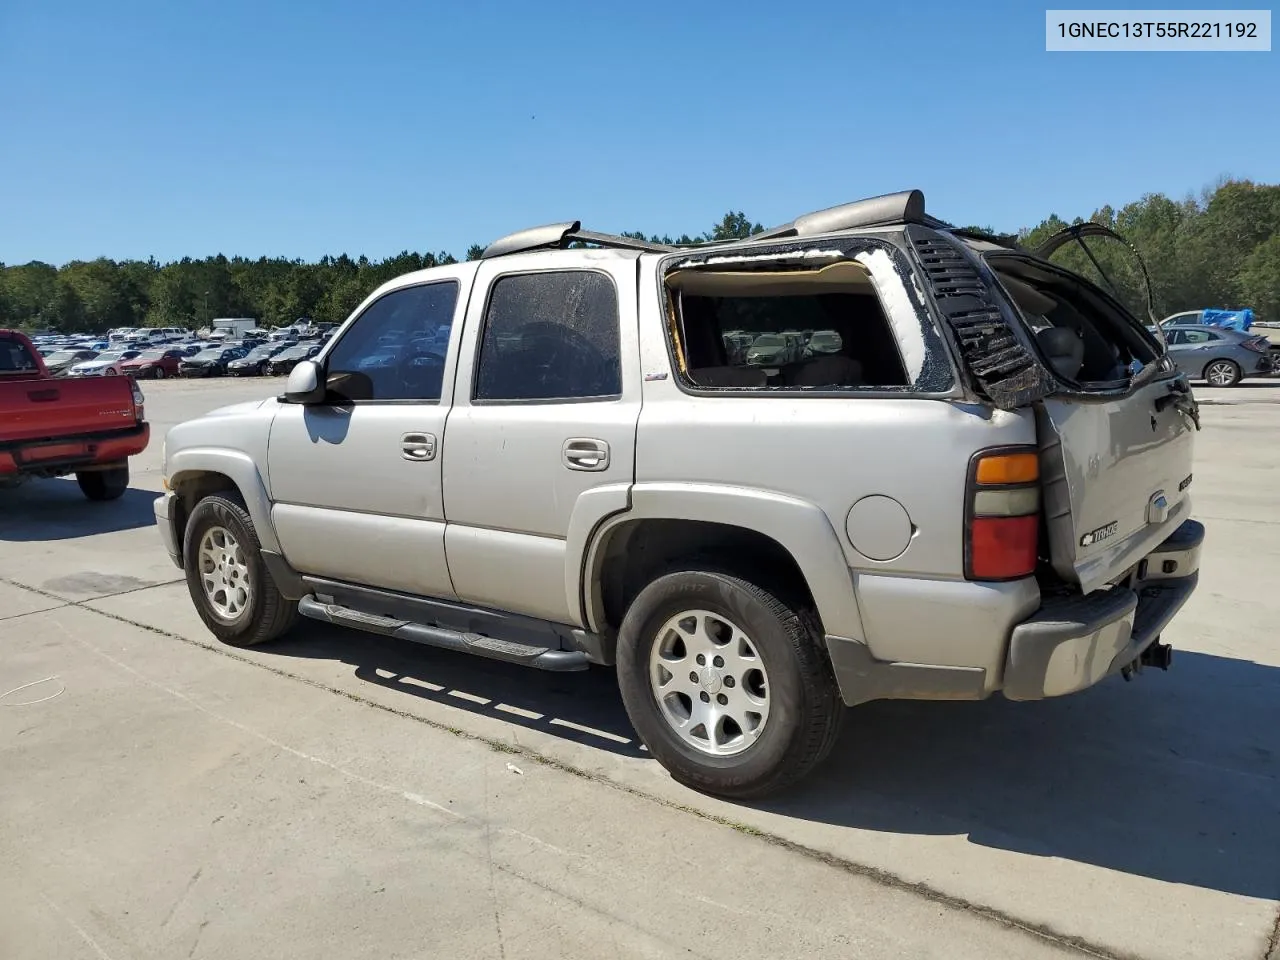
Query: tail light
point(1002, 515)
point(1257, 344)
point(139, 400)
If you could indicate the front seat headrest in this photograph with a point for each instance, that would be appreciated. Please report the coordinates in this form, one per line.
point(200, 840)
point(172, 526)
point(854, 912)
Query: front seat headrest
point(1064, 349)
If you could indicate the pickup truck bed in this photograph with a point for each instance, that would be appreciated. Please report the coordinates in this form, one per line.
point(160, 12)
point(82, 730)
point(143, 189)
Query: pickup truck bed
point(51, 427)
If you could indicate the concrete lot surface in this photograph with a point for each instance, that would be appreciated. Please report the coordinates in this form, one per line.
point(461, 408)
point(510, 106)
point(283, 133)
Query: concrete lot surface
point(342, 795)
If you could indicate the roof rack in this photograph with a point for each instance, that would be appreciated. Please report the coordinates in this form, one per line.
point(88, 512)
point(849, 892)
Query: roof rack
point(892, 208)
point(886, 210)
point(558, 236)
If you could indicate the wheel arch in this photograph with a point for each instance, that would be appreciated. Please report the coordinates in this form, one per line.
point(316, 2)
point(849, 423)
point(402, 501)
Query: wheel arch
point(197, 473)
point(747, 531)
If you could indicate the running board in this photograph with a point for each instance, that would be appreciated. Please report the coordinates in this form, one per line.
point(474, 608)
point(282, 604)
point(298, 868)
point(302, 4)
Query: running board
point(543, 658)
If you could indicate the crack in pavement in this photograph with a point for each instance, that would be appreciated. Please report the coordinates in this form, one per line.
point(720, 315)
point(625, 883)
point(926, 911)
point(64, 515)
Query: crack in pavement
point(877, 875)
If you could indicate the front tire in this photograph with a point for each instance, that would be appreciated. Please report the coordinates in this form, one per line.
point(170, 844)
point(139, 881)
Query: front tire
point(1223, 373)
point(727, 684)
point(228, 582)
point(158, 373)
point(104, 484)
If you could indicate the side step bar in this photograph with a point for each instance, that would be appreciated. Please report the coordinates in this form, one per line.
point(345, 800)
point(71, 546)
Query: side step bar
point(544, 658)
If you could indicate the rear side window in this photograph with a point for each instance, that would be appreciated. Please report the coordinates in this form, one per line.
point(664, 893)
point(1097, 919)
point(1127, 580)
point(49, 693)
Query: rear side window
point(550, 336)
point(1199, 336)
point(14, 358)
point(788, 328)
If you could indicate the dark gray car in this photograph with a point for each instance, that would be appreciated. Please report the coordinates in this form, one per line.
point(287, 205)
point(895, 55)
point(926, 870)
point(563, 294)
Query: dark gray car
point(1220, 357)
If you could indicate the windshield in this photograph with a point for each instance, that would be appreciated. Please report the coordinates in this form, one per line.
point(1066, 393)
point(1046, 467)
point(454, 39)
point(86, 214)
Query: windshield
point(62, 356)
point(769, 340)
point(151, 355)
point(111, 357)
point(260, 353)
point(208, 354)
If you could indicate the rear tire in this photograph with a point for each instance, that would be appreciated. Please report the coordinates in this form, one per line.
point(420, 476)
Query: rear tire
point(104, 484)
point(763, 693)
point(1223, 373)
point(228, 582)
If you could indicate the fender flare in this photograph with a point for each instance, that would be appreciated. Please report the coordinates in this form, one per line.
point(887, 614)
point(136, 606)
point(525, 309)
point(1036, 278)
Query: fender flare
point(800, 527)
point(242, 471)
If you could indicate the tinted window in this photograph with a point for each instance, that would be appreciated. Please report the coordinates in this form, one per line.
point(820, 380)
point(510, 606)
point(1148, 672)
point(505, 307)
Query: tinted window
point(14, 357)
point(550, 336)
point(396, 349)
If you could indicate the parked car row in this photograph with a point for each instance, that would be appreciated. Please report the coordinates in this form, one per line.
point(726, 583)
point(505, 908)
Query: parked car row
point(778, 349)
point(257, 354)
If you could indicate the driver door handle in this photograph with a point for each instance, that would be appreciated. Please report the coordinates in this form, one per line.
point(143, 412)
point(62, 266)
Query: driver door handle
point(418, 446)
point(585, 453)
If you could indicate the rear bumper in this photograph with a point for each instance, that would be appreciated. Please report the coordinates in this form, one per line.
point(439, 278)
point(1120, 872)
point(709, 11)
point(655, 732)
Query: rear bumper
point(77, 452)
point(1074, 642)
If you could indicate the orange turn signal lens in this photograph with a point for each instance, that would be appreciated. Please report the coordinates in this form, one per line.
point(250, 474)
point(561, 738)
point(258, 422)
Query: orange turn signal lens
point(1008, 468)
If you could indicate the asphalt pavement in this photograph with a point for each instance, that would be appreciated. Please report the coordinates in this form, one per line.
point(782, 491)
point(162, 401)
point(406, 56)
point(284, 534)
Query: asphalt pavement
point(342, 795)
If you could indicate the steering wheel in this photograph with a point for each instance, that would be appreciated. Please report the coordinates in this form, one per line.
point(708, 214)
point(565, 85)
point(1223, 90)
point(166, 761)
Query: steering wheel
point(407, 369)
point(584, 361)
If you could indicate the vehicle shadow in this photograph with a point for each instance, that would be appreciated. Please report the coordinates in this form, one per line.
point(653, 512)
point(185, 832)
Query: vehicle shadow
point(42, 510)
point(582, 707)
point(1175, 776)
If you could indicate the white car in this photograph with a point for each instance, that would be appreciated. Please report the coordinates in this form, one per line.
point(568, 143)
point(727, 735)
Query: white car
point(103, 365)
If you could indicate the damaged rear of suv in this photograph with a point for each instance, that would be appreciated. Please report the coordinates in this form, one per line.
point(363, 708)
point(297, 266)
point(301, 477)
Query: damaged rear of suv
point(1002, 449)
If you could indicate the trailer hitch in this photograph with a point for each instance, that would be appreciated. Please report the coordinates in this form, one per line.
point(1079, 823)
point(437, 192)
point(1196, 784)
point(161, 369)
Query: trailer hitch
point(1158, 655)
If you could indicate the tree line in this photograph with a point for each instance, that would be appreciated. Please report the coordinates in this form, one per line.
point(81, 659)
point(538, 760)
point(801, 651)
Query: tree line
point(1220, 249)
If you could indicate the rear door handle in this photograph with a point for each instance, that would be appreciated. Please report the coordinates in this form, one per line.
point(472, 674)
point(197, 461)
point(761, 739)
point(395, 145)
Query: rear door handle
point(418, 446)
point(585, 453)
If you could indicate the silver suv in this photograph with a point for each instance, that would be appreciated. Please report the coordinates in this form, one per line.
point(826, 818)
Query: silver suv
point(551, 457)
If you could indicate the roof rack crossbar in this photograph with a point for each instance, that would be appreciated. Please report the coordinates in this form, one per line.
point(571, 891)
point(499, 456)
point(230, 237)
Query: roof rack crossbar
point(621, 243)
point(558, 236)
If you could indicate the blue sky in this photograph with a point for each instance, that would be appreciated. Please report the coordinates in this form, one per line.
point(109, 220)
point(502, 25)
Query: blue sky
point(131, 129)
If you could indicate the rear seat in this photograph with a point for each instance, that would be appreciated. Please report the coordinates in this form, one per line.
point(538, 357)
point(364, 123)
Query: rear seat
point(729, 377)
point(830, 370)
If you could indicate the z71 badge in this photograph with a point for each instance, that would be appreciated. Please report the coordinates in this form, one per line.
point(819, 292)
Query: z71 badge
point(1097, 536)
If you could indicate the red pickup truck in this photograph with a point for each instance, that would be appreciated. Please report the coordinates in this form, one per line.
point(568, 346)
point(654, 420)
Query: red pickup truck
point(53, 426)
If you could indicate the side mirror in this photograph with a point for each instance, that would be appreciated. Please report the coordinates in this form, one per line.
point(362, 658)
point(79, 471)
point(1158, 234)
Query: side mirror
point(306, 383)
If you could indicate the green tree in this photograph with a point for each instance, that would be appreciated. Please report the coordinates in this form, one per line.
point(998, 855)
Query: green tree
point(1259, 278)
point(734, 225)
